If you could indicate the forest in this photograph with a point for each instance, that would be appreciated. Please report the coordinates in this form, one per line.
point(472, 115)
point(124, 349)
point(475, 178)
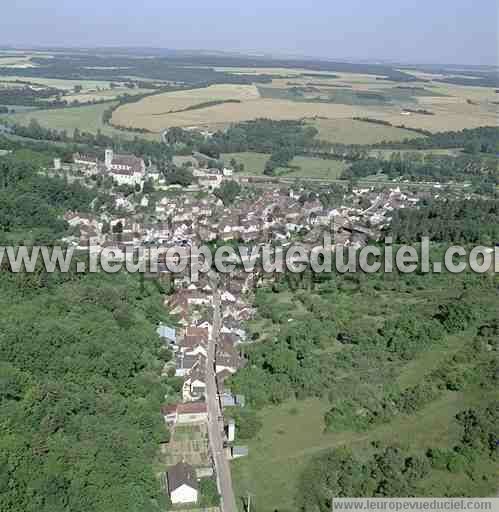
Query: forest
point(195, 68)
point(79, 393)
point(463, 221)
point(32, 205)
point(438, 168)
point(80, 363)
point(484, 139)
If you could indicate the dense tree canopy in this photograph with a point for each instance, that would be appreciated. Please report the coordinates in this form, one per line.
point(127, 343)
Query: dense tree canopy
point(458, 221)
point(79, 394)
point(30, 201)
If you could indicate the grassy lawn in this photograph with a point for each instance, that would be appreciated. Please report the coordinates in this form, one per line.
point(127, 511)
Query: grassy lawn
point(300, 167)
point(430, 360)
point(86, 118)
point(293, 433)
point(254, 163)
point(316, 168)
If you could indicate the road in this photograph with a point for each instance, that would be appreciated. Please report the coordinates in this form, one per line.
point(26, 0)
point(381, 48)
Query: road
point(215, 426)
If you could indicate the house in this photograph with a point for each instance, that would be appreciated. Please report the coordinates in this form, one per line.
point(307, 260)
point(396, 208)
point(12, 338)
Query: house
point(182, 484)
point(195, 384)
point(184, 363)
point(202, 332)
point(167, 334)
point(227, 297)
point(197, 298)
point(229, 361)
point(169, 413)
point(194, 343)
point(193, 412)
point(231, 326)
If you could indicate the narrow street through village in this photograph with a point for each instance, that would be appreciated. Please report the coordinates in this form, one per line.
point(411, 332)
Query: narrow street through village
point(215, 418)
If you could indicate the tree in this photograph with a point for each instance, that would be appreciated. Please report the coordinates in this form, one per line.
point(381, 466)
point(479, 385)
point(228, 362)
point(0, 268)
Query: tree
point(118, 227)
point(178, 176)
point(208, 491)
point(248, 424)
point(148, 187)
point(228, 191)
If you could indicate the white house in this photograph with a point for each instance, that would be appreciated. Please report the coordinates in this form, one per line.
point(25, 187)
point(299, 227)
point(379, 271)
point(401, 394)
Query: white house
point(193, 412)
point(182, 484)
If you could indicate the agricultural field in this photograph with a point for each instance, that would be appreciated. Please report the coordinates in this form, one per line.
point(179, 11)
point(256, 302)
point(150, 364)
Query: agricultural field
point(59, 83)
point(155, 109)
point(92, 95)
point(350, 131)
point(20, 61)
point(339, 97)
point(91, 90)
point(307, 167)
point(85, 118)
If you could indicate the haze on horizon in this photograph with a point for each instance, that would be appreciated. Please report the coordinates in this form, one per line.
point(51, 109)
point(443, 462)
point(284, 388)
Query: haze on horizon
point(419, 31)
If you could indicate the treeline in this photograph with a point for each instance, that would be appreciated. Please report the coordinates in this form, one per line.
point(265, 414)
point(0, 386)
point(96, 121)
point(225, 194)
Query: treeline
point(484, 139)
point(388, 123)
point(415, 167)
point(261, 135)
point(462, 221)
point(264, 136)
point(198, 106)
point(29, 97)
point(156, 151)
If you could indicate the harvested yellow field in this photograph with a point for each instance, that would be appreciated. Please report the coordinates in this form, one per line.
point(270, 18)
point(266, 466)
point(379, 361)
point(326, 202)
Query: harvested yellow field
point(270, 71)
point(16, 62)
point(107, 94)
point(447, 117)
point(141, 116)
point(454, 107)
point(161, 105)
point(59, 83)
point(349, 131)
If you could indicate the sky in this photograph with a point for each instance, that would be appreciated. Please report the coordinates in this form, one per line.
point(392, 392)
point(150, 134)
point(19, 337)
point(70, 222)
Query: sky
point(412, 31)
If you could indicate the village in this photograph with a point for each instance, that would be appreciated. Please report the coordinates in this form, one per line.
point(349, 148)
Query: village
point(207, 340)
